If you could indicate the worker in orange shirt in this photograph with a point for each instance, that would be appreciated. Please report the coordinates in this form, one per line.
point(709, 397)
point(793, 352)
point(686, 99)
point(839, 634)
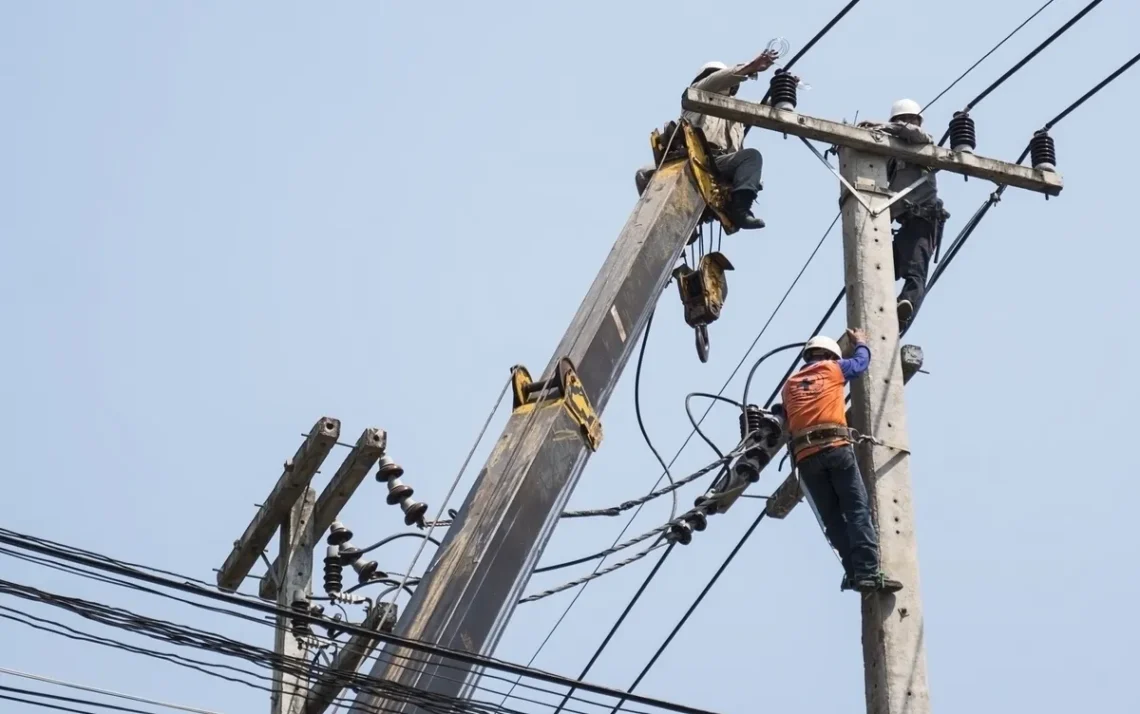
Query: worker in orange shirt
point(822, 450)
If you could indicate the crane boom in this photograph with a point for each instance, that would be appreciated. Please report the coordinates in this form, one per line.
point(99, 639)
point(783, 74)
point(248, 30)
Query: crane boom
point(472, 586)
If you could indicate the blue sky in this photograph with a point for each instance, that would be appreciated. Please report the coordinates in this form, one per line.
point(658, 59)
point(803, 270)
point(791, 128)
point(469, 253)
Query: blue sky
point(221, 221)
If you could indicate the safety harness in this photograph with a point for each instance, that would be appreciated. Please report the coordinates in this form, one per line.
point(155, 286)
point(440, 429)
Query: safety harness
point(821, 435)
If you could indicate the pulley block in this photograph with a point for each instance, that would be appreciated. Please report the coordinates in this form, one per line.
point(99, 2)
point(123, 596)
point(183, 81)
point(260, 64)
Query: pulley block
point(564, 389)
point(703, 292)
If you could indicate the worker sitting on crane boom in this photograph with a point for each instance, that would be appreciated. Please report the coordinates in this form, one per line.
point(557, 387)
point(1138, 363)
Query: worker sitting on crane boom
point(821, 446)
point(740, 167)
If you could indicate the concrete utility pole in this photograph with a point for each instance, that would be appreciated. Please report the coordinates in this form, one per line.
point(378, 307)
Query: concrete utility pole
point(289, 690)
point(294, 508)
point(894, 653)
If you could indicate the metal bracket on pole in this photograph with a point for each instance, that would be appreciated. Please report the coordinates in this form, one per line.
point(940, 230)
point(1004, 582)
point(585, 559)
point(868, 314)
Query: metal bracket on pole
point(902, 193)
point(850, 189)
point(565, 389)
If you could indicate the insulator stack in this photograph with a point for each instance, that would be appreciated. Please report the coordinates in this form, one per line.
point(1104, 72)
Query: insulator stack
point(1043, 151)
point(783, 90)
point(339, 534)
point(334, 571)
point(751, 419)
point(388, 469)
point(349, 553)
point(681, 530)
point(963, 137)
point(400, 492)
point(367, 570)
point(300, 626)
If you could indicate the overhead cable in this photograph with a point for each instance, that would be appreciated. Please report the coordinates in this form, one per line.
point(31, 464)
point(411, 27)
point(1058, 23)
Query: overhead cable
point(451, 490)
point(995, 197)
point(104, 692)
point(956, 246)
point(984, 57)
point(799, 55)
point(1025, 60)
point(103, 563)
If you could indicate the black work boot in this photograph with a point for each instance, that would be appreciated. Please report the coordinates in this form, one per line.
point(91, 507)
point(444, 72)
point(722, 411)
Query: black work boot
point(906, 312)
point(739, 210)
point(877, 583)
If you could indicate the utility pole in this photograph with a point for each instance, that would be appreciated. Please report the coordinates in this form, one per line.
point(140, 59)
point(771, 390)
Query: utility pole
point(294, 509)
point(894, 653)
point(295, 589)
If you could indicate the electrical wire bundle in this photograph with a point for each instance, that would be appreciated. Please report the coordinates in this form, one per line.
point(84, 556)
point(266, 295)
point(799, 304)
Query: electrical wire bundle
point(255, 665)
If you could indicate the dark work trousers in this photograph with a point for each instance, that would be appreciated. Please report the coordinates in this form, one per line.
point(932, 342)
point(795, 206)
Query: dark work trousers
point(913, 248)
point(742, 168)
point(835, 486)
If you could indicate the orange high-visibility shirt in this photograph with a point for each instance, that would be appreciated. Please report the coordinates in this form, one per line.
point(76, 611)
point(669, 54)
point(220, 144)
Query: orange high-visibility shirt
point(815, 396)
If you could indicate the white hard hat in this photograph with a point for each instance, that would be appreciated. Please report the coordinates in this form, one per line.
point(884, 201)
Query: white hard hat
point(715, 66)
point(905, 106)
point(827, 344)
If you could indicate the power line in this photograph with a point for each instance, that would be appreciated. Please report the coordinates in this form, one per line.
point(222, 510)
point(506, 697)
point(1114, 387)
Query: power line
point(1025, 60)
point(198, 665)
point(692, 608)
point(984, 57)
point(995, 197)
point(200, 639)
point(955, 248)
point(104, 692)
point(685, 443)
point(819, 35)
point(558, 623)
point(1088, 95)
point(696, 428)
point(620, 620)
point(44, 705)
point(72, 700)
point(109, 565)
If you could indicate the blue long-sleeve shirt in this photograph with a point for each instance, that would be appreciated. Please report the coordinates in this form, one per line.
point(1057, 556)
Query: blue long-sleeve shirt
point(854, 367)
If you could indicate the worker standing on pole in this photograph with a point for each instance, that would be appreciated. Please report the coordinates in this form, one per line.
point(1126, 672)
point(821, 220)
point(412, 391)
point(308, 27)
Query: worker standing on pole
point(740, 167)
point(821, 444)
point(920, 213)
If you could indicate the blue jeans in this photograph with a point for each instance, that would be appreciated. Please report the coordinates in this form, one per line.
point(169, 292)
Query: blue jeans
point(833, 482)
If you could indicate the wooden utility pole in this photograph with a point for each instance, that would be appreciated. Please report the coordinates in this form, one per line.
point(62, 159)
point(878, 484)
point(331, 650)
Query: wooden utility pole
point(894, 653)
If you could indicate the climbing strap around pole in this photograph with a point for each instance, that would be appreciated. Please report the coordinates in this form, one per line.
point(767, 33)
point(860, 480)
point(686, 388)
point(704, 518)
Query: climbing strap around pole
point(823, 434)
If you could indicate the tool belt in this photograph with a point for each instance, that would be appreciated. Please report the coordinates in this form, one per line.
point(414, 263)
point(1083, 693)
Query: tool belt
point(820, 435)
point(932, 212)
